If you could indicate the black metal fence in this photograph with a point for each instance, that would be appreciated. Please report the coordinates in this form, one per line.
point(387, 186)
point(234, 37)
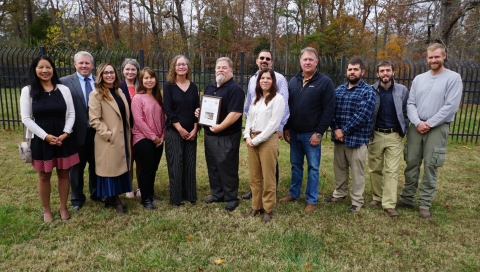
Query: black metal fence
point(14, 63)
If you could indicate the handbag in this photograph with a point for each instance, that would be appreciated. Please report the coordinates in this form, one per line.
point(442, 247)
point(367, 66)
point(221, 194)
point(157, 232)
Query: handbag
point(24, 148)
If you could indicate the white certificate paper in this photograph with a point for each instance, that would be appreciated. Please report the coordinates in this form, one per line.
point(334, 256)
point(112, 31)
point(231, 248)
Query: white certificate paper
point(209, 110)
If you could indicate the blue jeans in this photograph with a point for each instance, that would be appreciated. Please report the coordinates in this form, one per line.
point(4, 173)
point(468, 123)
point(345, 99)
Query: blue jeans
point(299, 148)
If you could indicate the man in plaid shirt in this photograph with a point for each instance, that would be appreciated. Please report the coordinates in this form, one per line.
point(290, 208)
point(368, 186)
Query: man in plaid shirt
point(351, 124)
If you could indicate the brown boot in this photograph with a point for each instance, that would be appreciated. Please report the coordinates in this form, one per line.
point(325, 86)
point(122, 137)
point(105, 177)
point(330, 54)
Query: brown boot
point(267, 217)
point(310, 207)
point(424, 213)
point(391, 212)
point(375, 203)
point(254, 213)
point(403, 204)
point(288, 198)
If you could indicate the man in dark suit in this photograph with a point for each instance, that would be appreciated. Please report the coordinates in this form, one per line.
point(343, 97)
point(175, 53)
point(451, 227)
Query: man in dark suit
point(81, 84)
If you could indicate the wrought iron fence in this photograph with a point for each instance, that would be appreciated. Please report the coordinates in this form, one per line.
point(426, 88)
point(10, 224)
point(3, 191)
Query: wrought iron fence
point(14, 63)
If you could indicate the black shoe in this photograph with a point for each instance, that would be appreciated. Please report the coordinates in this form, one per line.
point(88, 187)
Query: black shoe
point(149, 205)
point(109, 203)
point(193, 202)
point(154, 198)
point(247, 195)
point(179, 204)
point(98, 199)
point(77, 207)
point(230, 208)
point(212, 200)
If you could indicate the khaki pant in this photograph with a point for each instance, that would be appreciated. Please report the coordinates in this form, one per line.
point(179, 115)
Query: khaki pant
point(262, 161)
point(384, 156)
point(345, 157)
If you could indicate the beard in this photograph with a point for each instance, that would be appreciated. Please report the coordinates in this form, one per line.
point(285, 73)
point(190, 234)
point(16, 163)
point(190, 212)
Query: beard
point(386, 80)
point(354, 80)
point(220, 78)
point(435, 66)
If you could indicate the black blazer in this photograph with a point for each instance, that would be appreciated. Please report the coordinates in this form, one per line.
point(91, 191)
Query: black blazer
point(82, 120)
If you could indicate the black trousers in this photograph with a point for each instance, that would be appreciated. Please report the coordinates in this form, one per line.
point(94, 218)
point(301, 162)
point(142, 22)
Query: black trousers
point(182, 164)
point(86, 154)
point(148, 157)
point(222, 156)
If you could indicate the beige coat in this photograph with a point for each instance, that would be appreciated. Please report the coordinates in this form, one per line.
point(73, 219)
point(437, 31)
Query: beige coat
point(106, 119)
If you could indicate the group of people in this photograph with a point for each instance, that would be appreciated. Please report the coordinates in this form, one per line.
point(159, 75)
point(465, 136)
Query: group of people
point(108, 124)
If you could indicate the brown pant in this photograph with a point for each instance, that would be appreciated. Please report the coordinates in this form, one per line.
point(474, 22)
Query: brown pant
point(262, 161)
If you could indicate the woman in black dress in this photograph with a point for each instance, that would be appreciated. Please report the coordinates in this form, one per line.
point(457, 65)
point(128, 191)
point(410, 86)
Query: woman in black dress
point(181, 100)
point(47, 111)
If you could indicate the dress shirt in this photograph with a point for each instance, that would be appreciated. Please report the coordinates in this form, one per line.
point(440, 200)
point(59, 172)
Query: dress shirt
point(82, 81)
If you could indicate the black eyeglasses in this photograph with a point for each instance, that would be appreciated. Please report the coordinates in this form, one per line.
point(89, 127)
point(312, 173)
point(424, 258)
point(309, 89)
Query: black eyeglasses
point(265, 58)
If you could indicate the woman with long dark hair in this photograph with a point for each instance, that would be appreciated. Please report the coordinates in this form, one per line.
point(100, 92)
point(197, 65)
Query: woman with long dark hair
point(181, 100)
point(47, 111)
point(148, 133)
point(263, 119)
point(110, 117)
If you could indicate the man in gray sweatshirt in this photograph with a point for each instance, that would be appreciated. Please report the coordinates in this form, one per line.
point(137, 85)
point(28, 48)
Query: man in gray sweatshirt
point(431, 106)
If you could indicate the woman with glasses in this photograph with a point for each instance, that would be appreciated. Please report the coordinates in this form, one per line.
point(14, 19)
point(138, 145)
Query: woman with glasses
point(181, 100)
point(148, 133)
point(110, 117)
point(263, 119)
point(129, 86)
point(47, 111)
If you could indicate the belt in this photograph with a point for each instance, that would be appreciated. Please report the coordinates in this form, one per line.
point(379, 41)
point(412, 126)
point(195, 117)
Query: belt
point(388, 130)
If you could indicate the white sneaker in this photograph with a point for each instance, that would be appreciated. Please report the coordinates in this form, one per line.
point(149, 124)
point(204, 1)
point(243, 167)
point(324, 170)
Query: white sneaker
point(137, 193)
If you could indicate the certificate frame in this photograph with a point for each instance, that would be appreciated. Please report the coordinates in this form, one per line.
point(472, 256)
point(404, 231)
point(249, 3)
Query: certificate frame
point(209, 110)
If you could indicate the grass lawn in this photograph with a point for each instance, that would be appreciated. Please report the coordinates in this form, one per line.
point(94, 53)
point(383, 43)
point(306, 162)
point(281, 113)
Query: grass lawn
point(207, 238)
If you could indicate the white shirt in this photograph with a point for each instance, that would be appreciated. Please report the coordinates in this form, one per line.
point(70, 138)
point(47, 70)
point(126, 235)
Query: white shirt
point(264, 118)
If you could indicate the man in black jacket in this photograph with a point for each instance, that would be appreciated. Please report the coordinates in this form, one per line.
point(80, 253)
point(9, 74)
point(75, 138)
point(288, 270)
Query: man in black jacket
point(312, 105)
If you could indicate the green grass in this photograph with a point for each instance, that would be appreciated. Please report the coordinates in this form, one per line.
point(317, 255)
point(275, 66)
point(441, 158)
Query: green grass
point(192, 238)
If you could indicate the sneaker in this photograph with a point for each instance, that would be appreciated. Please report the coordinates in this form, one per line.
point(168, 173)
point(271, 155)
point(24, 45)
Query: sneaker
point(137, 193)
point(130, 195)
point(354, 208)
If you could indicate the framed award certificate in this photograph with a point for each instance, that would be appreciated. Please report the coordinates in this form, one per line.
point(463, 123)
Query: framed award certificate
point(209, 110)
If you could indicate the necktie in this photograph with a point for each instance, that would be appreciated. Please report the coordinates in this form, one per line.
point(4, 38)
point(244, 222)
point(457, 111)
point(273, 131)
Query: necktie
point(88, 89)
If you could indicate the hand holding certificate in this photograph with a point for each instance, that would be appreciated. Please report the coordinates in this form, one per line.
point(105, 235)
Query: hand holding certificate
point(209, 110)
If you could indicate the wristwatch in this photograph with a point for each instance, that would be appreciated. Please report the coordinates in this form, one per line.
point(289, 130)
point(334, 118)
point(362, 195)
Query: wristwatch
point(319, 135)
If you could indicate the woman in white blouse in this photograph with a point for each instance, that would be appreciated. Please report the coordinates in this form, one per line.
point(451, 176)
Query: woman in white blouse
point(263, 120)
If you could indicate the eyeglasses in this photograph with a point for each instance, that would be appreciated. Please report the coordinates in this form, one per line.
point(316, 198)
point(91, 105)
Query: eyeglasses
point(108, 72)
point(265, 58)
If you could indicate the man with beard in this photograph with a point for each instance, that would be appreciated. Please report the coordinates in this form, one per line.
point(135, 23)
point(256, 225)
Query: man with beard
point(265, 60)
point(433, 101)
point(311, 102)
point(222, 141)
point(390, 124)
point(351, 125)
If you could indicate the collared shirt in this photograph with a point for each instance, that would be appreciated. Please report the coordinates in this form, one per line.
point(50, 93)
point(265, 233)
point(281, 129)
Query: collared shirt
point(82, 81)
point(387, 115)
point(264, 118)
point(233, 99)
point(353, 113)
point(282, 90)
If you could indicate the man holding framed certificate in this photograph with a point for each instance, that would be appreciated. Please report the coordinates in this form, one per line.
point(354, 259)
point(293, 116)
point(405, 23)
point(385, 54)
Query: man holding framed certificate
point(223, 130)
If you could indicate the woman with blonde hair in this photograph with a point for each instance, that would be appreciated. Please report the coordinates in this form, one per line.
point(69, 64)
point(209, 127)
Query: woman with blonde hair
point(148, 133)
point(47, 111)
point(110, 117)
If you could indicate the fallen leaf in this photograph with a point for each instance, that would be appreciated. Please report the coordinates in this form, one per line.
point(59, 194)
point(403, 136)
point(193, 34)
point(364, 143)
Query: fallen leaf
point(218, 261)
point(4, 148)
point(446, 207)
point(190, 238)
point(307, 267)
point(388, 241)
point(200, 268)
